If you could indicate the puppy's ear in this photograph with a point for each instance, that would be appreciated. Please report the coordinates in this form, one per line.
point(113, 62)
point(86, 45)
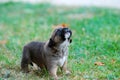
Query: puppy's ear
point(70, 40)
point(51, 43)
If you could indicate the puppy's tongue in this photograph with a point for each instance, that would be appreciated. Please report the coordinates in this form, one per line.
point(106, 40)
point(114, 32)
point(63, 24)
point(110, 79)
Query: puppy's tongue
point(67, 35)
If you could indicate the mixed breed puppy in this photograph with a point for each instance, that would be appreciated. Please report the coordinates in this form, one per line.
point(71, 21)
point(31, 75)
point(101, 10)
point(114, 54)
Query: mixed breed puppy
point(51, 54)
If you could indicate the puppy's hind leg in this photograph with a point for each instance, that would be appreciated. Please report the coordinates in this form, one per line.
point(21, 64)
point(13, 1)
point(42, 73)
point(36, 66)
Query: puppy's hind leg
point(25, 59)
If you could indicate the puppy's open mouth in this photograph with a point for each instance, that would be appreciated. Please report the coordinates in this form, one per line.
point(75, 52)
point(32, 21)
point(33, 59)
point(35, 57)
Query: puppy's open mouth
point(67, 35)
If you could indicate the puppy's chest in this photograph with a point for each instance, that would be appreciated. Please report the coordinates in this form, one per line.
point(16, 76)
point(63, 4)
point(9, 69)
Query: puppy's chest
point(64, 49)
point(61, 61)
point(62, 57)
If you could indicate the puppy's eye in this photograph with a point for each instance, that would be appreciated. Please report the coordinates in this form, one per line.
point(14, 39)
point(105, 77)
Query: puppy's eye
point(59, 32)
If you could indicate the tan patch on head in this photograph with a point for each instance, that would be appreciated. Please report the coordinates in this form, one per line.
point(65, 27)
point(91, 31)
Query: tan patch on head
point(60, 26)
point(64, 25)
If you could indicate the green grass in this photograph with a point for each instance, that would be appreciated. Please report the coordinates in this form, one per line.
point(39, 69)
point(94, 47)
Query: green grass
point(96, 38)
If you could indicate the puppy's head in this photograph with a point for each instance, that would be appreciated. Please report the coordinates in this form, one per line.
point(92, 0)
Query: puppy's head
point(59, 35)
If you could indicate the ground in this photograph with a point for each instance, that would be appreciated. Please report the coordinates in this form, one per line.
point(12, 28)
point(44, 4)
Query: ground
point(93, 54)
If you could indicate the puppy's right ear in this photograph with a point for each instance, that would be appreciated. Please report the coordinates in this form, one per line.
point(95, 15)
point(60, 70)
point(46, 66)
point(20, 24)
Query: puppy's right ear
point(70, 40)
point(51, 43)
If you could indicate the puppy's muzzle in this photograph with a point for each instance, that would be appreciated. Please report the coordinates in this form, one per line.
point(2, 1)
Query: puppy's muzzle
point(67, 33)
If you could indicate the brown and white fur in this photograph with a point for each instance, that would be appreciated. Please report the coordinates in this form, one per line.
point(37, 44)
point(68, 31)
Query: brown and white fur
point(51, 54)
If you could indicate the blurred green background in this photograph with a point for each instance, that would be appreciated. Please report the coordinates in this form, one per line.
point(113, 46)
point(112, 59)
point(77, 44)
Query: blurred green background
point(94, 53)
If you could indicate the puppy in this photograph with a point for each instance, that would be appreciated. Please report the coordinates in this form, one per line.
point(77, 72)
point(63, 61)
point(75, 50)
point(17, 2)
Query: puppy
point(51, 54)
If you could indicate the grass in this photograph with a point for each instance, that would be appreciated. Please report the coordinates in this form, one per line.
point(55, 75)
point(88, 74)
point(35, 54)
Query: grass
point(96, 38)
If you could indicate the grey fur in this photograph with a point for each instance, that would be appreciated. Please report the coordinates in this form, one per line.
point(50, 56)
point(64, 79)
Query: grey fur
point(50, 54)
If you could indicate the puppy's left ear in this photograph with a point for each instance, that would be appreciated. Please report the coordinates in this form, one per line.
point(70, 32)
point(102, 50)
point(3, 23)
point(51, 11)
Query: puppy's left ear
point(70, 40)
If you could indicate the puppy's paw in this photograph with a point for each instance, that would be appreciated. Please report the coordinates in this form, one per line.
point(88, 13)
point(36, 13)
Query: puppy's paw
point(67, 72)
point(54, 78)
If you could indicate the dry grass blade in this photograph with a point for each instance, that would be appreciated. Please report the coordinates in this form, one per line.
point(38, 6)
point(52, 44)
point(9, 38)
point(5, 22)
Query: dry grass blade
point(99, 63)
point(3, 41)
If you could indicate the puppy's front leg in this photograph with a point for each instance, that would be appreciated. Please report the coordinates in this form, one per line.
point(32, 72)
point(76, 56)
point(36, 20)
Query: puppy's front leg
point(64, 68)
point(53, 71)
